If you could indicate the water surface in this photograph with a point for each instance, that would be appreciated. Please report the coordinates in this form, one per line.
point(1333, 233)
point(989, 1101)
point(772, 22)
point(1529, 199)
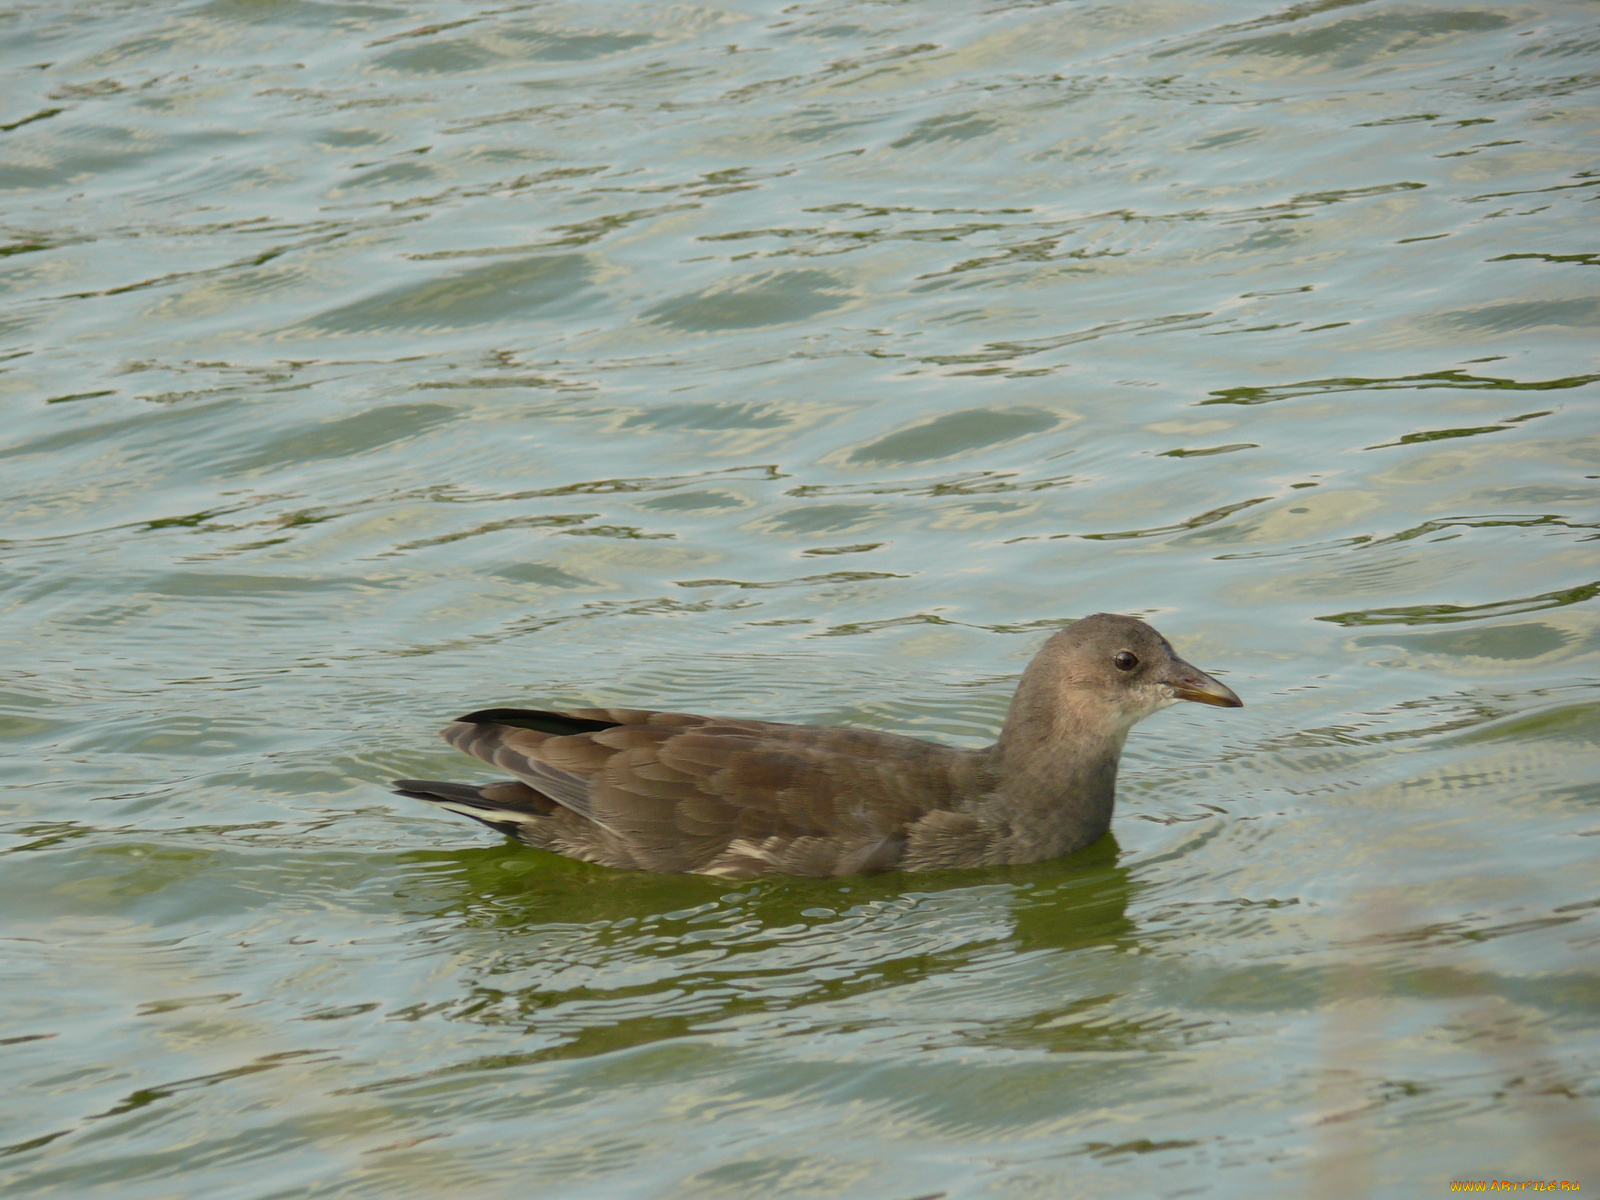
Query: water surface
point(365, 364)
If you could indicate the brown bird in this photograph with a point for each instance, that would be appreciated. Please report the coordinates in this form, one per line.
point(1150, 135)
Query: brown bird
point(661, 791)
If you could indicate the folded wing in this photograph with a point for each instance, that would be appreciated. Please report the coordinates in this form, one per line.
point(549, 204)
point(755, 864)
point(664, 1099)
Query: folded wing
point(676, 792)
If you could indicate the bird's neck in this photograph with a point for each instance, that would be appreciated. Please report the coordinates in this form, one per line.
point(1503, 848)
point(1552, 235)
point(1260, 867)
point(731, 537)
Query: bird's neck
point(1055, 780)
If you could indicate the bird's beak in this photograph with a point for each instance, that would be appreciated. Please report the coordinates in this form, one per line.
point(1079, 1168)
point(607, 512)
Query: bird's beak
point(1191, 683)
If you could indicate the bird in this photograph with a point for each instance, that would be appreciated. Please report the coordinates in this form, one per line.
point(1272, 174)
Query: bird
point(739, 798)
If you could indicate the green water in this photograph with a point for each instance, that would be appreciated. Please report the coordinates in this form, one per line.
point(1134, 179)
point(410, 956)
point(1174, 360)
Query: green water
point(365, 364)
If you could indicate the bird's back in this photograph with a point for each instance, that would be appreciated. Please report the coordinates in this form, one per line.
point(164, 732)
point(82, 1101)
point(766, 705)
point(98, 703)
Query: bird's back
point(666, 791)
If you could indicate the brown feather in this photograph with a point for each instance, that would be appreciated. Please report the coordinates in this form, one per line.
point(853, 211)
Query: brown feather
point(663, 791)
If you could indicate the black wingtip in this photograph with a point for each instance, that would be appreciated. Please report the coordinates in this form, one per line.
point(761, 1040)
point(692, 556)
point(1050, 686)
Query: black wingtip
point(557, 724)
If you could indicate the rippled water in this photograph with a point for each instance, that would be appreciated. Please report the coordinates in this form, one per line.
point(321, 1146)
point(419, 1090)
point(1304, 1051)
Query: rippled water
point(365, 364)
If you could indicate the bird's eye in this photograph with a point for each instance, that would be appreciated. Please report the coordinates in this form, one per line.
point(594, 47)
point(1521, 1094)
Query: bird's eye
point(1124, 660)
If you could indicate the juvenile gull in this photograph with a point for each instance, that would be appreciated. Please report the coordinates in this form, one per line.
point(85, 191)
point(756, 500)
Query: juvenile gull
point(659, 791)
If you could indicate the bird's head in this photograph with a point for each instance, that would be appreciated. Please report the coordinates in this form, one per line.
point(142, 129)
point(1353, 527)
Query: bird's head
point(1103, 674)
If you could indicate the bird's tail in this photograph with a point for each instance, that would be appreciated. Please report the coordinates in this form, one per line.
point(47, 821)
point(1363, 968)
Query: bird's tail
point(509, 808)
